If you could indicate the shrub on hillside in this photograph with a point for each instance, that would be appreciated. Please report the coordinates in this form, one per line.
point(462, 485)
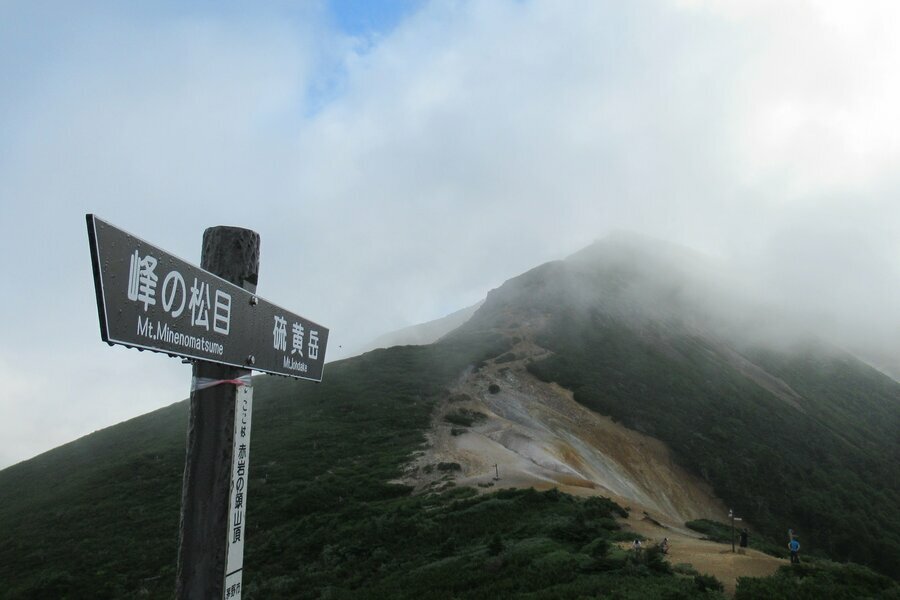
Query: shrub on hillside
point(818, 580)
point(598, 507)
point(495, 546)
point(597, 548)
point(708, 583)
point(656, 561)
point(465, 417)
point(685, 569)
point(508, 357)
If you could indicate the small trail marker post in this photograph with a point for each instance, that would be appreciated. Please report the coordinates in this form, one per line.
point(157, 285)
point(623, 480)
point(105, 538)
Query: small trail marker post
point(151, 300)
point(733, 519)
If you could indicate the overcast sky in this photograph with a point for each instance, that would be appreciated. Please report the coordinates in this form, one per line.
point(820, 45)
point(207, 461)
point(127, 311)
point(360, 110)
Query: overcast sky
point(400, 161)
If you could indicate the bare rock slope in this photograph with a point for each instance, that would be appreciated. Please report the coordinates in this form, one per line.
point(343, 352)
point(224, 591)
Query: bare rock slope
point(501, 420)
point(501, 427)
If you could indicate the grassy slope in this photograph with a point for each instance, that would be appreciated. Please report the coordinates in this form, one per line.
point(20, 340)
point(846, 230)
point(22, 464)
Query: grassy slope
point(98, 518)
point(98, 514)
point(816, 580)
point(103, 511)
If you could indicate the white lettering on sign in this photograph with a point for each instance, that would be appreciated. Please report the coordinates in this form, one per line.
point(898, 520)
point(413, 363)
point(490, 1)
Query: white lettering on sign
point(237, 505)
point(161, 332)
point(297, 341)
point(170, 286)
point(145, 327)
point(222, 313)
point(279, 334)
point(295, 365)
point(200, 304)
point(152, 300)
point(142, 280)
point(313, 350)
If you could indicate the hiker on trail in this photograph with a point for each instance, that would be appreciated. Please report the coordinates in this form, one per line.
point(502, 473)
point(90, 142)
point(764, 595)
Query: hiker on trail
point(664, 546)
point(794, 547)
point(744, 539)
point(636, 548)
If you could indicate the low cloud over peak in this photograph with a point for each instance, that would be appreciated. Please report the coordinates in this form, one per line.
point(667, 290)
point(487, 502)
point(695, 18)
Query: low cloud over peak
point(398, 172)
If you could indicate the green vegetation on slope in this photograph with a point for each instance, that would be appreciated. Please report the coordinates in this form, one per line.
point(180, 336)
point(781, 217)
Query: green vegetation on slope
point(830, 469)
point(98, 518)
point(817, 580)
point(456, 544)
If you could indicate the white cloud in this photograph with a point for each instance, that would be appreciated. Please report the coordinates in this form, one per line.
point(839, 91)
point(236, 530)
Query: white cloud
point(398, 177)
point(819, 109)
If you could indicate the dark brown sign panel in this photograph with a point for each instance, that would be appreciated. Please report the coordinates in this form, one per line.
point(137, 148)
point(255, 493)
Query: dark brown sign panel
point(152, 300)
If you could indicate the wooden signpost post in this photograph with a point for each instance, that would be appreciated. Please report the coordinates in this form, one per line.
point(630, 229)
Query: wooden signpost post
point(733, 519)
point(151, 300)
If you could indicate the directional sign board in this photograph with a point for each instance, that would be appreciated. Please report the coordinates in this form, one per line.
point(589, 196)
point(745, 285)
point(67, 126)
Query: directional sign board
point(152, 300)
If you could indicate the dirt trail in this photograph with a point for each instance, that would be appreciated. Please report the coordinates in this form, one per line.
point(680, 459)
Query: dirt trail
point(707, 557)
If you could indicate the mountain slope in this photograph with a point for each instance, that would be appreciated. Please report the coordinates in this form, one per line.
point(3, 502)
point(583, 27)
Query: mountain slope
point(538, 436)
point(790, 435)
point(421, 334)
point(98, 518)
point(789, 432)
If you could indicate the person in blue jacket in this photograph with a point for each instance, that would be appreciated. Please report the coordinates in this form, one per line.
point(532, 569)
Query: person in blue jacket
point(794, 547)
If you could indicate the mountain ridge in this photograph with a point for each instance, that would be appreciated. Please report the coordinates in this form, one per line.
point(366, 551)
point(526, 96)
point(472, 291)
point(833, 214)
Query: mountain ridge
point(608, 322)
point(792, 435)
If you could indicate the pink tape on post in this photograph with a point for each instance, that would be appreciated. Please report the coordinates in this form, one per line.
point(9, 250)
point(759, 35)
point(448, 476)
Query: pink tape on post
point(201, 383)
